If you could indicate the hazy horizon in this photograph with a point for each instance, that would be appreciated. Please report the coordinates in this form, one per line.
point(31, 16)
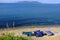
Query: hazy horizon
point(41, 1)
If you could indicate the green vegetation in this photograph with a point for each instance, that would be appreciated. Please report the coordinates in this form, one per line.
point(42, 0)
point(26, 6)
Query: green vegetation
point(11, 36)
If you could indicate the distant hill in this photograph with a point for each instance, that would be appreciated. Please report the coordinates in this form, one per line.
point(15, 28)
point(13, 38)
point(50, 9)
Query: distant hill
point(28, 2)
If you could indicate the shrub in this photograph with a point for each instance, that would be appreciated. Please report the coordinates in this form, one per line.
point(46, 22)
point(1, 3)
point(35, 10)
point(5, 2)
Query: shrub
point(10, 36)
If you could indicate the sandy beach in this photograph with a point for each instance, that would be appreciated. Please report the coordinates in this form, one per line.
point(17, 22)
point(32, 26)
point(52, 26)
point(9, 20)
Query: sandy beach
point(18, 31)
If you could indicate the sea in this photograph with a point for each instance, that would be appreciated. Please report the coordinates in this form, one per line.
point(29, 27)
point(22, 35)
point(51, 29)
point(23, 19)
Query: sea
point(19, 14)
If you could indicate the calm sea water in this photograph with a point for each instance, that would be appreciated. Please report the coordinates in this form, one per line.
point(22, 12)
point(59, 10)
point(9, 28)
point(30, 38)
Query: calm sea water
point(19, 14)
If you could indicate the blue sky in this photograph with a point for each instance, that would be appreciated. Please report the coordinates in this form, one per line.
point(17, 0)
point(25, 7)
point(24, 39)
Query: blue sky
point(42, 1)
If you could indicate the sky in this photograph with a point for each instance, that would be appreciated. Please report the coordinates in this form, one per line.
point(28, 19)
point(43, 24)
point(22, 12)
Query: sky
point(42, 1)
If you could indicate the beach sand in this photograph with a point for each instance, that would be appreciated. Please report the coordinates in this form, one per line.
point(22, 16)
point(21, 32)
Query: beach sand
point(18, 31)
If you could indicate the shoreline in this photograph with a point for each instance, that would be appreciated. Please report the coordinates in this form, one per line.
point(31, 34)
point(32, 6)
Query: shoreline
point(33, 26)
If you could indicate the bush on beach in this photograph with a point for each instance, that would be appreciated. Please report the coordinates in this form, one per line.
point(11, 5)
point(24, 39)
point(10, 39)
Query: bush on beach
point(11, 36)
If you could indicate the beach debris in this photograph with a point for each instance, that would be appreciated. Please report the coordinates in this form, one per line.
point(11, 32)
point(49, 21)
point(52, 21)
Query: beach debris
point(48, 33)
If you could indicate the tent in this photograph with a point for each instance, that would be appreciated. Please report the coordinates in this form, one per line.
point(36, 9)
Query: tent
point(48, 32)
point(38, 33)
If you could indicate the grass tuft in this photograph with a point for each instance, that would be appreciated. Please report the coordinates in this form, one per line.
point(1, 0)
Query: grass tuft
point(10, 36)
